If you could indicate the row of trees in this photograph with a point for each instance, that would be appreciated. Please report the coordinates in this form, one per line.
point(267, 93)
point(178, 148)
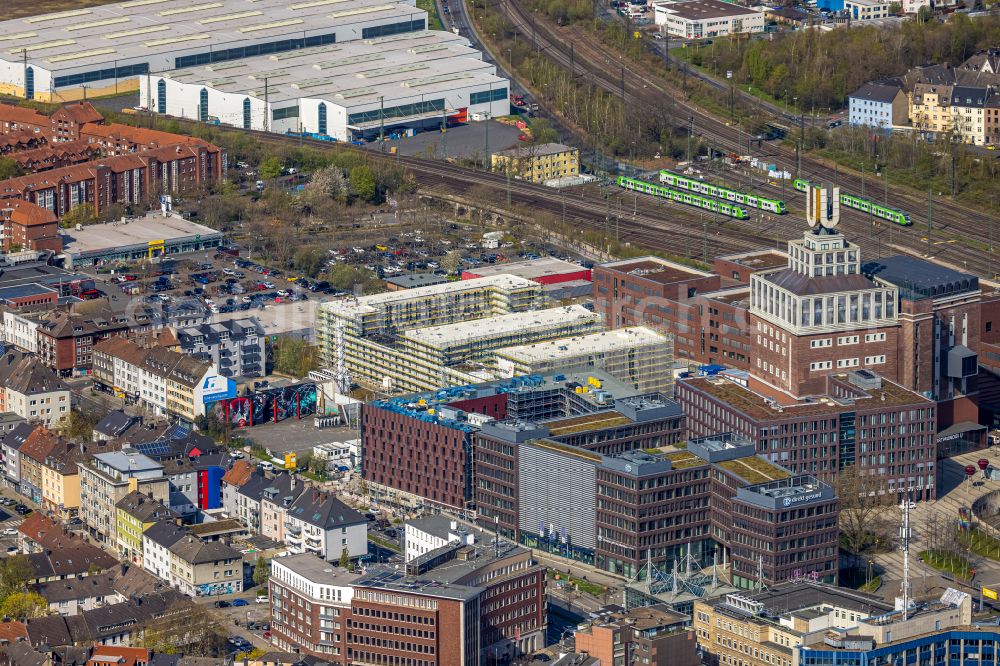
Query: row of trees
point(821, 69)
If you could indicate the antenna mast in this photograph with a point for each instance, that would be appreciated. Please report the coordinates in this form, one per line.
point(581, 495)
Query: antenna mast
point(905, 542)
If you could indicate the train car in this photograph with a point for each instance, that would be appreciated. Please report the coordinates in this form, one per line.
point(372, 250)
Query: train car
point(688, 198)
point(864, 205)
point(695, 185)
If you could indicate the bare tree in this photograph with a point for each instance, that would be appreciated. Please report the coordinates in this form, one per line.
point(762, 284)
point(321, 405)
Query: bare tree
point(864, 505)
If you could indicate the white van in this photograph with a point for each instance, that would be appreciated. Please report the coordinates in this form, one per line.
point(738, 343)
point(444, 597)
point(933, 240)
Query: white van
point(267, 466)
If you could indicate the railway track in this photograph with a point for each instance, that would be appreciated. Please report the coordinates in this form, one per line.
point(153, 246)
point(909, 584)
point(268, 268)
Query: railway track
point(642, 221)
point(960, 237)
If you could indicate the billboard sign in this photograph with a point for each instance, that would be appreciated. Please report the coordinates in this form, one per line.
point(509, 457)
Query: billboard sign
point(216, 387)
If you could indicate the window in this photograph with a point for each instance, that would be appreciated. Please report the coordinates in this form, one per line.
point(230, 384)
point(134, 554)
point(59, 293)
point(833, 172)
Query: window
point(246, 113)
point(254, 49)
point(203, 105)
point(321, 122)
point(287, 112)
point(392, 29)
point(486, 96)
point(401, 111)
point(29, 83)
point(123, 72)
point(161, 96)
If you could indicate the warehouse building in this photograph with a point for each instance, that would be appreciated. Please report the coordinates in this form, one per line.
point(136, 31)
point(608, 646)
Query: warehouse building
point(343, 91)
point(696, 19)
point(104, 50)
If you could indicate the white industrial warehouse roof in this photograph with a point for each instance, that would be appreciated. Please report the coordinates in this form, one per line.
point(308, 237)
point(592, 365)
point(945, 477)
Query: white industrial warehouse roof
point(140, 29)
point(490, 328)
point(357, 72)
point(593, 343)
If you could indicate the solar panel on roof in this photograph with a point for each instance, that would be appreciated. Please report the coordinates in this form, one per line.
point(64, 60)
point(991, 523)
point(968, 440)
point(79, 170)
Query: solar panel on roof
point(353, 60)
point(441, 78)
point(303, 52)
point(388, 71)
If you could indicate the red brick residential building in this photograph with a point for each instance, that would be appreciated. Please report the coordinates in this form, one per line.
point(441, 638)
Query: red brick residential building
point(69, 119)
point(15, 119)
point(29, 227)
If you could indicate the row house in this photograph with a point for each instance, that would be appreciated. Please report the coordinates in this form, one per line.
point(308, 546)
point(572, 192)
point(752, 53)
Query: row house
point(47, 156)
point(193, 566)
point(164, 381)
point(31, 390)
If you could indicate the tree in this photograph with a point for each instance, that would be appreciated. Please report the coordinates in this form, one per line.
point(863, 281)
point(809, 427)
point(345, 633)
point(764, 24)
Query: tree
point(345, 559)
point(363, 183)
point(185, 628)
point(79, 214)
point(271, 167)
point(309, 259)
point(895, 8)
point(261, 571)
point(924, 14)
point(24, 605)
point(79, 424)
point(451, 261)
point(15, 572)
point(863, 508)
point(9, 168)
point(294, 356)
point(329, 182)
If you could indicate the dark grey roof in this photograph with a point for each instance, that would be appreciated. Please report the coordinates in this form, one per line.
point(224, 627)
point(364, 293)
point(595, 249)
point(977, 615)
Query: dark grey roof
point(195, 551)
point(144, 508)
point(804, 285)
point(23, 653)
point(876, 92)
point(48, 630)
point(25, 373)
point(324, 510)
point(161, 659)
point(969, 96)
point(165, 533)
point(411, 280)
point(132, 580)
point(115, 423)
point(15, 438)
point(918, 278)
point(100, 585)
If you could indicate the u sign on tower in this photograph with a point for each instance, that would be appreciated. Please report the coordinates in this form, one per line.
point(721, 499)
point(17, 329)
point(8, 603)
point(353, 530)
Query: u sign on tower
point(823, 207)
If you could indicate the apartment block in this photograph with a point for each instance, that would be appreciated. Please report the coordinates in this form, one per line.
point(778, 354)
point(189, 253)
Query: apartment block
point(652, 635)
point(235, 346)
point(538, 163)
point(399, 340)
point(637, 356)
point(107, 478)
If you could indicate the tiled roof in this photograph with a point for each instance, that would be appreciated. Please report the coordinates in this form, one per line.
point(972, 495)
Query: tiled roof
point(78, 589)
point(39, 444)
point(239, 473)
point(877, 92)
point(27, 214)
point(20, 114)
point(165, 534)
point(79, 112)
point(144, 508)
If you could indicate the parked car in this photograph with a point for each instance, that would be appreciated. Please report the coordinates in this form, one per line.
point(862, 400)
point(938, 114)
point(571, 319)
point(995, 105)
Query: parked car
point(240, 602)
point(263, 600)
point(10, 531)
point(268, 285)
point(222, 604)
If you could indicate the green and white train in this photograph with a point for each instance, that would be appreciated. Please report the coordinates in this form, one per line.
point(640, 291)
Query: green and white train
point(701, 187)
point(864, 205)
point(689, 198)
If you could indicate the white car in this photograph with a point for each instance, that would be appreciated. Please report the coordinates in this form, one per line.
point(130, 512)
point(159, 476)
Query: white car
point(263, 600)
point(10, 531)
point(247, 299)
point(283, 292)
point(228, 271)
point(269, 285)
point(236, 454)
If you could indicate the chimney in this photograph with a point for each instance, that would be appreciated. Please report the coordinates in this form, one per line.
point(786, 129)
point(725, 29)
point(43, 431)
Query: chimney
point(292, 482)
